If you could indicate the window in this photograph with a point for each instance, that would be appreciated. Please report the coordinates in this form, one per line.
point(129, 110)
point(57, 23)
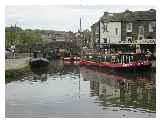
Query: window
point(116, 30)
point(129, 39)
point(104, 27)
point(141, 33)
point(105, 40)
point(129, 27)
point(141, 30)
point(152, 26)
point(97, 30)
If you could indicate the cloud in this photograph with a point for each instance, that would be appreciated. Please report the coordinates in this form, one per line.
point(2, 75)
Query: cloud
point(60, 17)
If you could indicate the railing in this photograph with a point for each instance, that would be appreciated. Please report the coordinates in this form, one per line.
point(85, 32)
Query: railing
point(144, 41)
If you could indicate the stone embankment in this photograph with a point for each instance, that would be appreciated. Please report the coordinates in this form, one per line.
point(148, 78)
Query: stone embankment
point(15, 64)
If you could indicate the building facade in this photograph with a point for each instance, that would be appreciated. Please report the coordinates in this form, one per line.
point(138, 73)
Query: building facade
point(58, 36)
point(125, 30)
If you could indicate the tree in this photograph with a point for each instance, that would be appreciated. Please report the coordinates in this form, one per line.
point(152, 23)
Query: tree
point(19, 36)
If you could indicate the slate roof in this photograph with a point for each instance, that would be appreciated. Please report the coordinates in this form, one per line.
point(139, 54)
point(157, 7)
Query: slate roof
point(129, 16)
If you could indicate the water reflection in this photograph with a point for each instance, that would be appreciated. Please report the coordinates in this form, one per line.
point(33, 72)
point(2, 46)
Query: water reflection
point(56, 68)
point(64, 89)
point(121, 91)
point(39, 74)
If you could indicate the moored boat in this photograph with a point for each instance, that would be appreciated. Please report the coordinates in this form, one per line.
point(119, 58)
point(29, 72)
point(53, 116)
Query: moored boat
point(118, 61)
point(38, 60)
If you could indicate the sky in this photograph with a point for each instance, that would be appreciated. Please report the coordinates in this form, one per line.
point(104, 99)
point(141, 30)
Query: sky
point(60, 17)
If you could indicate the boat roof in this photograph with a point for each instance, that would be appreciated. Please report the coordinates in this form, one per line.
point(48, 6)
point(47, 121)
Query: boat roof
point(115, 54)
point(131, 53)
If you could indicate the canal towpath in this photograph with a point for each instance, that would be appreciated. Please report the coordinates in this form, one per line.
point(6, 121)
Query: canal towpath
point(18, 62)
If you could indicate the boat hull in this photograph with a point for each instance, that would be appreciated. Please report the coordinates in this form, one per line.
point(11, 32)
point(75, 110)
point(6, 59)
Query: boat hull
point(118, 67)
point(39, 62)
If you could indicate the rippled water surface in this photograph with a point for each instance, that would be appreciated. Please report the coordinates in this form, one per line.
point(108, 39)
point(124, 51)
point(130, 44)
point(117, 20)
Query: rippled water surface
point(67, 90)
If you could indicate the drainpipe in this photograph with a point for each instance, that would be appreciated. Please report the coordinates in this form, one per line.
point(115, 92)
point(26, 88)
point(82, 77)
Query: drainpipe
point(99, 34)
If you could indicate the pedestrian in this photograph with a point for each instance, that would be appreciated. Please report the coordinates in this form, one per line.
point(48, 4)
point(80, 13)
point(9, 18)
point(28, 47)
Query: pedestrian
point(13, 50)
point(148, 54)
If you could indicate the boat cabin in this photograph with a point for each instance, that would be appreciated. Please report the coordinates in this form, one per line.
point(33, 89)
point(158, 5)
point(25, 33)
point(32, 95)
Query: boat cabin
point(39, 54)
point(116, 58)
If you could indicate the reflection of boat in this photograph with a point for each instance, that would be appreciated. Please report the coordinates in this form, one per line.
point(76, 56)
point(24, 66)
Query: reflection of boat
point(63, 67)
point(102, 74)
point(38, 60)
point(39, 73)
point(118, 61)
point(119, 90)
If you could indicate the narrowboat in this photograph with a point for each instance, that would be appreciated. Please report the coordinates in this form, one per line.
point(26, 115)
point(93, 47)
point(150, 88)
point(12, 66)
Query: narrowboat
point(39, 60)
point(118, 61)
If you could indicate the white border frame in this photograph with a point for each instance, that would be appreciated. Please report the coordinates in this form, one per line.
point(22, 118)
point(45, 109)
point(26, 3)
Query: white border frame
point(74, 2)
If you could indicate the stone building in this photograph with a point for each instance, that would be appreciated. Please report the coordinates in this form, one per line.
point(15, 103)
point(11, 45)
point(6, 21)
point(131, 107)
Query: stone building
point(95, 35)
point(126, 31)
point(57, 36)
point(86, 38)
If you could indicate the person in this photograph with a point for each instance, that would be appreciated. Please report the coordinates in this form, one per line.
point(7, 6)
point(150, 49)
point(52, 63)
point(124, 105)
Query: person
point(148, 54)
point(13, 50)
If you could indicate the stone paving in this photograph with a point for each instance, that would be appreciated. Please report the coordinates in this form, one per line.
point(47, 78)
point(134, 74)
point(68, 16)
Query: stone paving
point(16, 63)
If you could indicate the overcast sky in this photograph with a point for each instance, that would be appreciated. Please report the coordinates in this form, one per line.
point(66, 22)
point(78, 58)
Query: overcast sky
point(63, 18)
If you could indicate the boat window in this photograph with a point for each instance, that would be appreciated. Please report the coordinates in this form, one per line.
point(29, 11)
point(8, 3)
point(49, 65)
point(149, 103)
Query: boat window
point(127, 59)
point(100, 58)
point(94, 58)
point(90, 57)
point(142, 57)
point(124, 59)
point(121, 59)
point(118, 59)
point(131, 59)
point(35, 55)
point(87, 57)
point(103, 58)
point(138, 58)
point(108, 58)
point(113, 58)
point(84, 57)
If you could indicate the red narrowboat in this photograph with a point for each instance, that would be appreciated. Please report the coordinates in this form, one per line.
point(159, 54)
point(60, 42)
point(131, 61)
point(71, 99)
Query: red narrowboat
point(118, 61)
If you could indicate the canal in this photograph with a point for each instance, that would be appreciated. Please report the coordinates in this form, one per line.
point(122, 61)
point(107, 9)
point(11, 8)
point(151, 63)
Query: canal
point(68, 90)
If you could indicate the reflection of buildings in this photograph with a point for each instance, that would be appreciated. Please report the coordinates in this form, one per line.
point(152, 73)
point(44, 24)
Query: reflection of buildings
point(103, 89)
point(118, 90)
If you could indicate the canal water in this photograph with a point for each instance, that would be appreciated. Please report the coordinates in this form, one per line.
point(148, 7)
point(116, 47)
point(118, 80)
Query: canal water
point(68, 90)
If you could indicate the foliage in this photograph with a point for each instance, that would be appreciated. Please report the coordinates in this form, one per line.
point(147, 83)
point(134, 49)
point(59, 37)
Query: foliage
point(16, 35)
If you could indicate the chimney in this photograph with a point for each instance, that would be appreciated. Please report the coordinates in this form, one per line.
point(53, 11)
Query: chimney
point(106, 13)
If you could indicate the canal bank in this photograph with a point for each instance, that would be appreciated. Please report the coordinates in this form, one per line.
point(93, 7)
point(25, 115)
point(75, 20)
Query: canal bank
point(16, 68)
point(15, 64)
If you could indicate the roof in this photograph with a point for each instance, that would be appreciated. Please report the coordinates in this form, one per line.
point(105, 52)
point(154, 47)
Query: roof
point(130, 16)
